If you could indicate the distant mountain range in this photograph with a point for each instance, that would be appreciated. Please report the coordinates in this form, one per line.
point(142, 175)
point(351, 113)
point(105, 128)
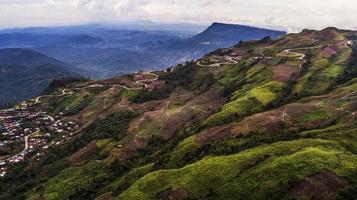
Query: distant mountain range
point(114, 49)
point(218, 35)
point(26, 73)
point(104, 51)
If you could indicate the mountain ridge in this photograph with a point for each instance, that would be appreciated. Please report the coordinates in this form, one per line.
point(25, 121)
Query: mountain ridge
point(26, 73)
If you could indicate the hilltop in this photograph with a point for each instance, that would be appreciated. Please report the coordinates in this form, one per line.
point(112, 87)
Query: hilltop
point(264, 119)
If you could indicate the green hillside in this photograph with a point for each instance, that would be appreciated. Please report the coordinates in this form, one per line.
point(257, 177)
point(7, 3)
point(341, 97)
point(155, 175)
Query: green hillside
point(267, 119)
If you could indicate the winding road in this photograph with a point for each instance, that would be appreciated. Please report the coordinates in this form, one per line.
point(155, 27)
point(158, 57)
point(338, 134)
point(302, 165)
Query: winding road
point(217, 64)
point(301, 55)
point(25, 148)
point(37, 100)
point(139, 82)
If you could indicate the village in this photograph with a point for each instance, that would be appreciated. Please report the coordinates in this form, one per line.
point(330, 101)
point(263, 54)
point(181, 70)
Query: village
point(27, 131)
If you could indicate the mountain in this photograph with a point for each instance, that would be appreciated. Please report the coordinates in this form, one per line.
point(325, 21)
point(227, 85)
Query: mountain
point(127, 26)
point(264, 119)
point(216, 36)
point(13, 40)
point(109, 50)
point(228, 34)
point(26, 73)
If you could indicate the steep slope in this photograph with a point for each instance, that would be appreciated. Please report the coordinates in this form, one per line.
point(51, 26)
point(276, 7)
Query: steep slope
point(267, 119)
point(25, 74)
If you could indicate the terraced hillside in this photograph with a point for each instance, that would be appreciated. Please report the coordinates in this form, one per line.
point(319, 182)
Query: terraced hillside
point(267, 119)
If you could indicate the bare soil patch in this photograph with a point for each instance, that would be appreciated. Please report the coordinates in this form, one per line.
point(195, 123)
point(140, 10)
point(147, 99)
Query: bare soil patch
point(324, 186)
point(83, 154)
point(327, 52)
point(297, 110)
point(177, 194)
point(286, 72)
point(327, 34)
point(266, 122)
point(196, 107)
point(106, 197)
point(213, 134)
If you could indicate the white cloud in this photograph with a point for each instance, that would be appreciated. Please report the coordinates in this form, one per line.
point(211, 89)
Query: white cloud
point(282, 13)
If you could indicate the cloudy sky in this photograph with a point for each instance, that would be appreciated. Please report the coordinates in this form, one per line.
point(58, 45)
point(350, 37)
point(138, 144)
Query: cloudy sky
point(291, 15)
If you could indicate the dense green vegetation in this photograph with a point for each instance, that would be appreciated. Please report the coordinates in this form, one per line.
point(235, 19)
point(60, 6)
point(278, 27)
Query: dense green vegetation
point(259, 173)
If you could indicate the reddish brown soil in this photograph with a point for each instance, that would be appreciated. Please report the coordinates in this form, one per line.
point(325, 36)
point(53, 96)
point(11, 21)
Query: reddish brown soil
point(157, 84)
point(131, 147)
point(353, 106)
point(213, 134)
point(178, 194)
point(216, 71)
point(285, 72)
point(144, 119)
point(212, 101)
point(324, 186)
point(115, 80)
point(38, 198)
point(297, 110)
point(211, 98)
point(240, 52)
point(328, 52)
point(106, 197)
point(342, 43)
point(83, 154)
point(199, 107)
point(266, 122)
point(175, 122)
point(327, 34)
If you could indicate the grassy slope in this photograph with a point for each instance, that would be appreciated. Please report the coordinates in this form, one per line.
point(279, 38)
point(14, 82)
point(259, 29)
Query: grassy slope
point(259, 173)
point(265, 171)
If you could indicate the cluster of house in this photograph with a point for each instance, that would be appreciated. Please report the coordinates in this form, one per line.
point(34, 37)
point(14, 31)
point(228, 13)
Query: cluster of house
point(10, 126)
point(32, 128)
point(3, 170)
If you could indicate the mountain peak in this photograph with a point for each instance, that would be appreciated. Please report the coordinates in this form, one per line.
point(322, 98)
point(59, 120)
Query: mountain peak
point(330, 29)
point(230, 32)
point(225, 25)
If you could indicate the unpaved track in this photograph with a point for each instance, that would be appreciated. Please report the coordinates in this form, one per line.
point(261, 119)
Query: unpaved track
point(221, 63)
point(139, 82)
point(37, 100)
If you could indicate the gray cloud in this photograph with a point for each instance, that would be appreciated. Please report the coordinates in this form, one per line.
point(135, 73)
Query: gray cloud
point(282, 13)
